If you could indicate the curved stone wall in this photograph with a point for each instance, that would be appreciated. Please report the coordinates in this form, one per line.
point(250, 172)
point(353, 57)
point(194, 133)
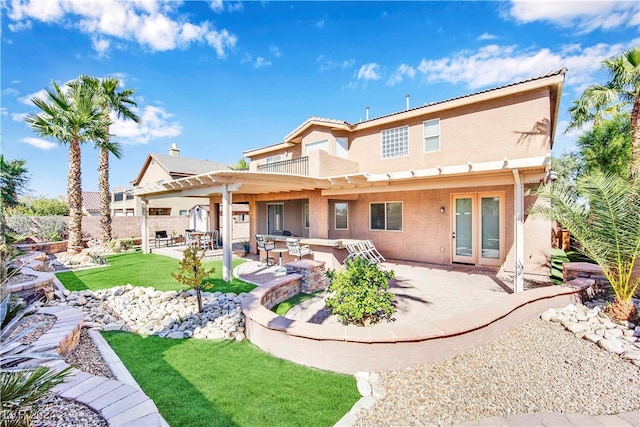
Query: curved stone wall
point(386, 346)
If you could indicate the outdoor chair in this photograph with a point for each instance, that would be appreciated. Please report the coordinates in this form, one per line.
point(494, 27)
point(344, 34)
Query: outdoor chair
point(265, 246)
point(298, 250)
point(187, 237)
point(215, 238)
point(353, 252)
point(206, 241)
point(374, 251)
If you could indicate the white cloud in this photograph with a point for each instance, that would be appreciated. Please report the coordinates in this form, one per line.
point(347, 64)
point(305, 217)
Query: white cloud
point(261, 62)
point(100, 45)
point(275, 51)
point(369, 72)
point(4, 111)
point(403, 70)
point(320, 24)
point(39, 143)
point(217, 6)
point(494, 65)
point(10, 91)
point(152, 24)
point(329, 64)
point(19, 117)
point(155, 122)
point(487, 36)
point(584, 16)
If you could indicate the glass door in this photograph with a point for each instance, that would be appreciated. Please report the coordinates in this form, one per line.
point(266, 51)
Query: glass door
point(462, 233)
point(477, 228)
point(275, 218)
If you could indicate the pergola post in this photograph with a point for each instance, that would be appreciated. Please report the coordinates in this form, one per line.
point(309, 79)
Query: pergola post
point(518, 279)
point(144, 210)
point(227, 235)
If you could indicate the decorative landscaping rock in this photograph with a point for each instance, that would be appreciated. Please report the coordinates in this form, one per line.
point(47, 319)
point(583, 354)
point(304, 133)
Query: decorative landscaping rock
point(169, 314)
point(591, 323)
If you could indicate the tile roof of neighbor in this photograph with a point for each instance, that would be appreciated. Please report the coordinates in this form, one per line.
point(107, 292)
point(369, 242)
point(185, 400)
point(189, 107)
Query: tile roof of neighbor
point(91, 201)
point(185, 166)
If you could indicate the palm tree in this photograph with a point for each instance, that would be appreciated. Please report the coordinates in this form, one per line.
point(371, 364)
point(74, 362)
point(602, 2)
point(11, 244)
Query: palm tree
point(71, 118)
point(109, 99)
point(608, 228)
point(241, 165)
point(623, 89)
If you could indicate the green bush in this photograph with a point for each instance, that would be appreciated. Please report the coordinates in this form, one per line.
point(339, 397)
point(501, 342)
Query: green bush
point(46, 228)
point(360, 295)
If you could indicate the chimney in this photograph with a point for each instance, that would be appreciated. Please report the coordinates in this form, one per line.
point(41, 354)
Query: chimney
point(366, 113)
point(407, 97)
point(174, 151)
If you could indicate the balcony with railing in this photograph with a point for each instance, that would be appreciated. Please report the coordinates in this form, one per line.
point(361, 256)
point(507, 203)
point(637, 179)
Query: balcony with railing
point(299, 166)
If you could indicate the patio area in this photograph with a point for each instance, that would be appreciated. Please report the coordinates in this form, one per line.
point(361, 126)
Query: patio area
point(441, 312)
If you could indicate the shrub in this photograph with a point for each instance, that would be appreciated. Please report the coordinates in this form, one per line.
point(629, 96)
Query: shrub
point(360, 295)
point(119, 245)
point(46, 228)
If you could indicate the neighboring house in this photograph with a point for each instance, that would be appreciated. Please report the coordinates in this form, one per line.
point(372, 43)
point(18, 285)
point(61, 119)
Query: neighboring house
point(91, 203)
point(446, 182)
point(156, 169)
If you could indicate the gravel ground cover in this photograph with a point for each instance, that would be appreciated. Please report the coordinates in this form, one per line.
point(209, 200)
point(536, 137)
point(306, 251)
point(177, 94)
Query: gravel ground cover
point(536, 367)
point(54, 411)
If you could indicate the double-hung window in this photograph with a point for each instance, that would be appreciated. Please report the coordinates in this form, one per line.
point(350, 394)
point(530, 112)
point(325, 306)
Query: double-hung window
point(385, 216)
point(395, 142)
point(431, 135)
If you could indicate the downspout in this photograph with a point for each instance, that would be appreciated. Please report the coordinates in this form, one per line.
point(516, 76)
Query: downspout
point(518, 279)
point(227, 221)
point(144, 211)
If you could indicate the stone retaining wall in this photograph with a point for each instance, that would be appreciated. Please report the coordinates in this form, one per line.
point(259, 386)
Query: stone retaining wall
point(282, 289)
point(313, 277)
point(39, 282)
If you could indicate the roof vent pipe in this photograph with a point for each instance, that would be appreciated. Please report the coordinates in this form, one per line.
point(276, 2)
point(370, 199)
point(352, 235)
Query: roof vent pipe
point(407, 97)
point(366, 113)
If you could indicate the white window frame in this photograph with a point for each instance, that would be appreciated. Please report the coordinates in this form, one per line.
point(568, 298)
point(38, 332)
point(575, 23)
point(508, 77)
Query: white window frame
point(386, 223)
point(316, 145)
point(394, 142)
point(273, 159)
point(430, 136)
point(342, 147)
point(305, 216)
point(335, 215)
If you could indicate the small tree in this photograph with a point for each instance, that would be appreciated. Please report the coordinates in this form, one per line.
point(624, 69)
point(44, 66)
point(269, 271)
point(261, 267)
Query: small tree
point(360, 295)
point(192, 274)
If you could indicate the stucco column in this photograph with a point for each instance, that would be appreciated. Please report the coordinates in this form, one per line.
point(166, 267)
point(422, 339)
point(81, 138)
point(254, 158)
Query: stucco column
point(253, 222)
point(318, 216)
point(518, 193)
point(144, 212)
point(227, 226)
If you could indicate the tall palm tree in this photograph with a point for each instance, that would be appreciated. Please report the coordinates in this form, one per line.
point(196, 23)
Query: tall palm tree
point(71, 118)
point(608, 228)
point(109, 99)
point(622, 89)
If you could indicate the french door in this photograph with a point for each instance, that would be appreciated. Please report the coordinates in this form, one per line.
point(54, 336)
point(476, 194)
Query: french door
point(478, 228)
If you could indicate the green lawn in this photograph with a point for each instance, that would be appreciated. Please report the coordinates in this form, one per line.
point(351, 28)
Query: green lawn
point(144, 270)
point(282, 308)
point(226, 383)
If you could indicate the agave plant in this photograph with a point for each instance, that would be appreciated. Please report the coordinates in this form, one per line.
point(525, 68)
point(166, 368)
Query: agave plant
point(22, 384)
point(605, 220)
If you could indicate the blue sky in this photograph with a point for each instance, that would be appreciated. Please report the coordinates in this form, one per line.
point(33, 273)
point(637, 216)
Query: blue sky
point(218, 78)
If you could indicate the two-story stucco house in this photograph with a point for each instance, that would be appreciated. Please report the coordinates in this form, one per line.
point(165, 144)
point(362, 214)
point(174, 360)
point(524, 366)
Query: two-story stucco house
point(447, 182)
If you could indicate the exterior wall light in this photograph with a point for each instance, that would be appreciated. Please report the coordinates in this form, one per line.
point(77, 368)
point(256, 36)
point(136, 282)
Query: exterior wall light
point(442, 209)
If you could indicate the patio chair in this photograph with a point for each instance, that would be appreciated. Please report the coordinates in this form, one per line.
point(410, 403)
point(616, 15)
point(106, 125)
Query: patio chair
point(206, 241)
point(215, 238)
point(374, 250)
point(265, 246)
point(161, 237)
point(369, 251)
point(353, 252)
point(298, 250)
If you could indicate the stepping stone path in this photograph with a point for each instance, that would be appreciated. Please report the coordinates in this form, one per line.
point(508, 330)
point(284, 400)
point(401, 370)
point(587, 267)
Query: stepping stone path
point(591, 323)
point(169, 314)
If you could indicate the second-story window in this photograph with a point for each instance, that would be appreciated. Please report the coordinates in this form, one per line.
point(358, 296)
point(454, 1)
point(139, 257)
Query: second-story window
point(395, 142)
point(273, 159)
point(318, 145)
point(432, 135)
